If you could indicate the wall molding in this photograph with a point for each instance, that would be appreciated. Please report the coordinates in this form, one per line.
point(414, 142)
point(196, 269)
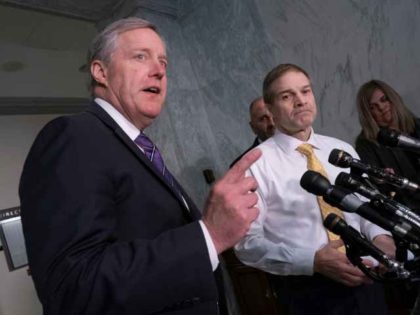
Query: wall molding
point(95, 10)
point(42, 105)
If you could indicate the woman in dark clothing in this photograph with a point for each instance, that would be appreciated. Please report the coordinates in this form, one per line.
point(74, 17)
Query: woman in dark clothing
point(380, 106)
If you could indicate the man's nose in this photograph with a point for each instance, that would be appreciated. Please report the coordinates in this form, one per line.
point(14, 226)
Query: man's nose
point(299, 99)
point(158, 69)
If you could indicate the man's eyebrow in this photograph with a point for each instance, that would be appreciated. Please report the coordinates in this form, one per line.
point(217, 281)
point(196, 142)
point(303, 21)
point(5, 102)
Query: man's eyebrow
point(291, 90)
point(149, 51)
point(285, 91)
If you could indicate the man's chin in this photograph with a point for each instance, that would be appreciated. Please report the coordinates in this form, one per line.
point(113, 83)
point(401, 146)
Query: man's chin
point(306, 123)
point(270, 134)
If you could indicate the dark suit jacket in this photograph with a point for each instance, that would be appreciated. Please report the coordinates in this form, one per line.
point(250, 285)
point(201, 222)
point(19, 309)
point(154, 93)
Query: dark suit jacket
point(104, 232)
point(256, 142)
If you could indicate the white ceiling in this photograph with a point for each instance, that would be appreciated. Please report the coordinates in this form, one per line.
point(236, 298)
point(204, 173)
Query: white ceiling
point(43, 44)
point(44, 31)
point(91, 10)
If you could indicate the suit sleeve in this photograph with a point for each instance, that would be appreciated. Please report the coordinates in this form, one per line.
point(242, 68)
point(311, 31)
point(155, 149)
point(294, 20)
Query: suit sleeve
point(78, 263)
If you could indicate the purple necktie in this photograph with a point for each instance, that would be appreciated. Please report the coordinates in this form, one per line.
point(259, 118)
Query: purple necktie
point(153, 154)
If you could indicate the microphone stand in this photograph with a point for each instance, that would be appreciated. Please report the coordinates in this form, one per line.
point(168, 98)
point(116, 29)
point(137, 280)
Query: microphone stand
point(397, 271)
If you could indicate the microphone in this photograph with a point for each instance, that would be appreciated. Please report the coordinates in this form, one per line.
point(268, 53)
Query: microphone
point(317, 184)
point(342, 159)
point(347, 181)
point(352, 237)
point(378, 200)
point(393, 138)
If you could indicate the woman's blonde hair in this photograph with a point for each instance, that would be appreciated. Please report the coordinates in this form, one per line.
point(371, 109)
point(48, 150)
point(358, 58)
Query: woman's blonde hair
point(401, 115)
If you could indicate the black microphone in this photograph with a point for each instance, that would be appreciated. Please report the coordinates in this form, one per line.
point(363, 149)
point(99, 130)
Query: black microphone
point(378, 201)
point(393, 138)
point(343, 159)
point(347, 181)
point(351, 236)
point(317, 184)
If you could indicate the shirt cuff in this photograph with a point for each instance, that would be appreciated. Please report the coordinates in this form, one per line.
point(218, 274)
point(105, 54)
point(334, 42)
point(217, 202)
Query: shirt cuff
point(303, 263)
point(210, 247)
point(374, 231)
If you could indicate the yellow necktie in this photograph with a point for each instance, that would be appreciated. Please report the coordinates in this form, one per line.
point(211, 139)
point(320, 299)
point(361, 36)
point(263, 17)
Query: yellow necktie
point(315, 165)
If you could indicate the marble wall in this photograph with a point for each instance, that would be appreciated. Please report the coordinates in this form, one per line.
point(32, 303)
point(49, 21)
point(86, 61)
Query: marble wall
point(211, 81)
point(343, 44)
point(220, 51)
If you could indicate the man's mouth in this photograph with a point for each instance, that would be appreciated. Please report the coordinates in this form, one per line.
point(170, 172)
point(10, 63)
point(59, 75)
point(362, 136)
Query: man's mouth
point(305, 111)
point(152, 89)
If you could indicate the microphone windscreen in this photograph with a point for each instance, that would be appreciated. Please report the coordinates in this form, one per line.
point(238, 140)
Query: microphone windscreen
point(339, 158)
point(333, 223)
point(314, 183)
point(344, 180)
point(388, 137)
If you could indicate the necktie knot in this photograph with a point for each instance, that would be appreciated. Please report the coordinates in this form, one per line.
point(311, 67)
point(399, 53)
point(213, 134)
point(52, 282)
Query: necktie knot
point(145, 143)
point(306, 149)
point(313, 163)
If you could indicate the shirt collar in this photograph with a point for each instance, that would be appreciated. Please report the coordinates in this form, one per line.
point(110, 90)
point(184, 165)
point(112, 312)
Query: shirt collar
point(131, 130)
point(289, 144)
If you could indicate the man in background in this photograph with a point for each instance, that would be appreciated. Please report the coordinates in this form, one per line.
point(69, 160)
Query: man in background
point(261, 122)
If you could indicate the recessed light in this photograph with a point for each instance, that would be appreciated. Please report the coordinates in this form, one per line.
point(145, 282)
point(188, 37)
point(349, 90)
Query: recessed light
point(12, 66)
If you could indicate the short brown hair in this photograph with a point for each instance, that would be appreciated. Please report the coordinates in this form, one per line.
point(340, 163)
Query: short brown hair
point(276, 73)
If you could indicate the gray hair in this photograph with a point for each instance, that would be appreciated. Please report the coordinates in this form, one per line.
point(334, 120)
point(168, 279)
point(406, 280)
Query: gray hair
point(104, 44)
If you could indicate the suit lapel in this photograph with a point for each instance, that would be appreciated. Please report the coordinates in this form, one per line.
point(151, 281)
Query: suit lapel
point(96, 110)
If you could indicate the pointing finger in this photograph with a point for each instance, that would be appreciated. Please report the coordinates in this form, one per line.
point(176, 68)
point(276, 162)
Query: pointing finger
point(238, 170)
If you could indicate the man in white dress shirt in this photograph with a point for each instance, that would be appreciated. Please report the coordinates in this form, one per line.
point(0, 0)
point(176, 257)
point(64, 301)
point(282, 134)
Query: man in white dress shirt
point(288, 239)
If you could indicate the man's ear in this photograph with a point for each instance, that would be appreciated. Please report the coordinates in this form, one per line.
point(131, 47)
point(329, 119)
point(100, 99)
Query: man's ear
point(99, 72)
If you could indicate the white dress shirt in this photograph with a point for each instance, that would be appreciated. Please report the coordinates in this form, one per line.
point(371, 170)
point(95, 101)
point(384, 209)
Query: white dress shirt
point(132, 132)
point(289, 229)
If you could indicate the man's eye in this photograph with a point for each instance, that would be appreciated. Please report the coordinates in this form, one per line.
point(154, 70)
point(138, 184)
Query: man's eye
point(285, 97)
point(141, 56)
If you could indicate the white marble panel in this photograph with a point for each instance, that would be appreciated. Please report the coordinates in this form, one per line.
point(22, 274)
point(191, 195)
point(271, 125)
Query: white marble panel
point(343, 44)
point(220, 51)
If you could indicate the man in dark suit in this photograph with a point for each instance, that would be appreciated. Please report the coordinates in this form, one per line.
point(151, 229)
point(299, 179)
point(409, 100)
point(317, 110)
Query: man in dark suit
point(108, 229)
point(261, 122)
